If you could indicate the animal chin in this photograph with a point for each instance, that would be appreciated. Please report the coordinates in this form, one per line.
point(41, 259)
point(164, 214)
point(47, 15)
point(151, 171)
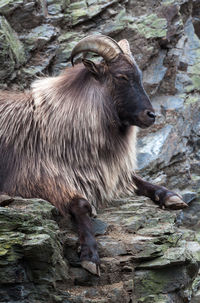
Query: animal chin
point(144, 124)
point(137, 122)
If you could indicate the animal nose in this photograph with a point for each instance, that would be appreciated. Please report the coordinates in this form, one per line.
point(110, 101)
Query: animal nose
point(150, 114)
point(146, 118)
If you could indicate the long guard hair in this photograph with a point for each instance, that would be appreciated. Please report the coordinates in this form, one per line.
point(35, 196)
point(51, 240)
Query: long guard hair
point(60, 140)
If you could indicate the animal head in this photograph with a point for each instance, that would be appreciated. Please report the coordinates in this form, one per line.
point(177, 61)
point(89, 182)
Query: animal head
point(122, 77)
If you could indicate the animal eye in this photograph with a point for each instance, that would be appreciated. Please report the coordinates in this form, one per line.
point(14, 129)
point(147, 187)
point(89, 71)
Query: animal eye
point(122, 76)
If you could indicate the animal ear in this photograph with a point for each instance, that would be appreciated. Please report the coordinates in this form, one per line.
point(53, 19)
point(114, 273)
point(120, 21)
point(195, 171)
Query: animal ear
point(125, 47)
point(91, 66)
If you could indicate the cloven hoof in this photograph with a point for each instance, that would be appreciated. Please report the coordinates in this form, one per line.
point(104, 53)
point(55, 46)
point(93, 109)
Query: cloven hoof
point(91, 267)
point(175, 202)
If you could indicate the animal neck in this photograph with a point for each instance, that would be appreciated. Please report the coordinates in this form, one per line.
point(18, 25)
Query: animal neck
point(76, 97)
point(77, 117)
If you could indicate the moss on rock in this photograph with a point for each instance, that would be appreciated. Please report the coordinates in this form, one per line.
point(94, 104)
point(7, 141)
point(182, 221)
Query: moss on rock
point(150, 26)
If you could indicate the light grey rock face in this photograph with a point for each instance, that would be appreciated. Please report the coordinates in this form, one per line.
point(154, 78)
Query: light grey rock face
point(39, 37)
point(176, 132)
point(147, 255)
point(150, 148)
point(155, 73)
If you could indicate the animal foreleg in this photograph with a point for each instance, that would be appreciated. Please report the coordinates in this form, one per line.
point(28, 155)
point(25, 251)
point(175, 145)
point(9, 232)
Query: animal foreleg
point(159, 194)
point(81, 211)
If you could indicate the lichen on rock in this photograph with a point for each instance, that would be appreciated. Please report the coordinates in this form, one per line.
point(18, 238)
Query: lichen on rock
point(151, 26)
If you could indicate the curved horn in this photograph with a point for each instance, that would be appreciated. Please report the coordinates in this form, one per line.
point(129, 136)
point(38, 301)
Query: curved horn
point(99, 44)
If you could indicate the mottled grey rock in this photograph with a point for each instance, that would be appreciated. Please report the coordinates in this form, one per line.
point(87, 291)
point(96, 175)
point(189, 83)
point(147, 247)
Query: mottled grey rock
point(171, 257)
point(39, 36)
point(150, 26)
point(191, 217)
point(111, 248)
point(188, 196)
point(99, 227)
point(7, 6)
point(55, 9)
point(154, 73)
point(30, 251)
point(29, 227)
point(78, 12)
point(151, 148)
point(166, 103)
point(164, 280)
point(191, 55)
point(27, 16)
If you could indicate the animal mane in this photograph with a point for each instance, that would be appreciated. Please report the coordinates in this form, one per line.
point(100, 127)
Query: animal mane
point(66, 141)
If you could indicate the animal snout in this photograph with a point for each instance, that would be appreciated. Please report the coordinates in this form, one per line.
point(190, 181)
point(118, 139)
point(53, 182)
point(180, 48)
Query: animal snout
point(147, 117)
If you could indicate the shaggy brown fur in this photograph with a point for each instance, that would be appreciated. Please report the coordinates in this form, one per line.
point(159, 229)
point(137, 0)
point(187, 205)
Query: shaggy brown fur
point(71, 141)
point(63, 139)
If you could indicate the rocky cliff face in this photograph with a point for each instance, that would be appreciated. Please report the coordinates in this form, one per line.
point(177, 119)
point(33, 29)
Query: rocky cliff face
point(148, 255)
